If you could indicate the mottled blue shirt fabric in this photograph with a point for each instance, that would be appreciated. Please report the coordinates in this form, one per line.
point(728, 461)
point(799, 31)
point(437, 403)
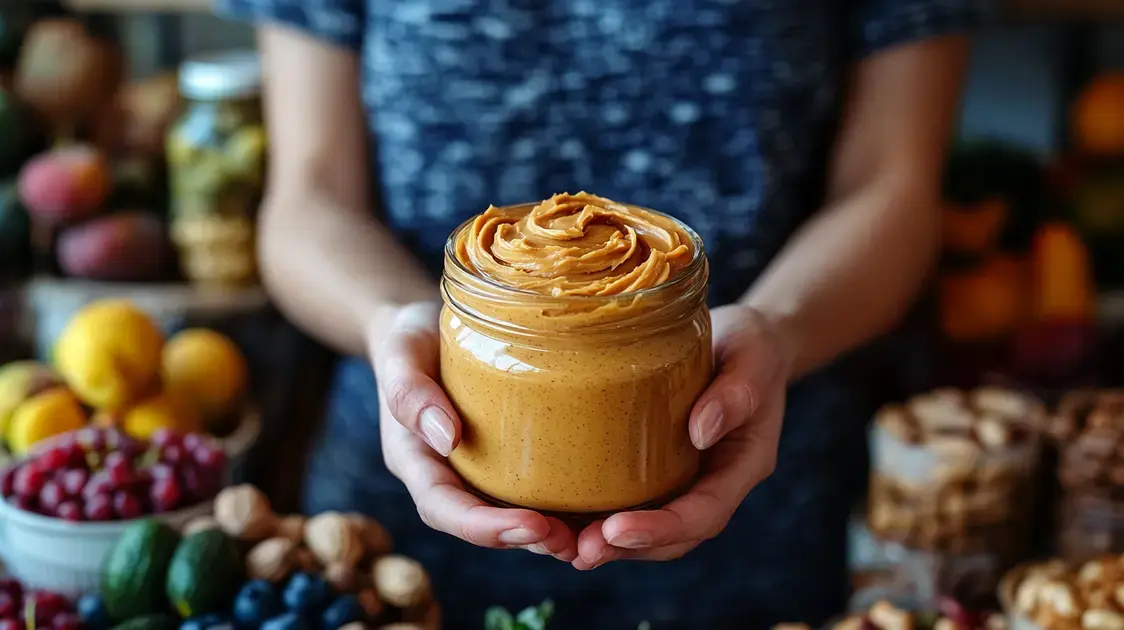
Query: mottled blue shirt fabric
point(719, 112)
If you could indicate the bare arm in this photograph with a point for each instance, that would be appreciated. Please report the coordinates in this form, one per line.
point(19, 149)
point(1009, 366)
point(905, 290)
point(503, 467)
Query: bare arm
point(852, 270)
point(331, 267)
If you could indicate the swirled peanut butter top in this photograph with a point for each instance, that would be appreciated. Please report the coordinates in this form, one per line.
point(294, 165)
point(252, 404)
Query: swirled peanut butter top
point(575, 245)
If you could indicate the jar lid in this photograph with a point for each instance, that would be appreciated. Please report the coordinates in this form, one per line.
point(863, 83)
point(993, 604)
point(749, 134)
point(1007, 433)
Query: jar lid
point(223, 75)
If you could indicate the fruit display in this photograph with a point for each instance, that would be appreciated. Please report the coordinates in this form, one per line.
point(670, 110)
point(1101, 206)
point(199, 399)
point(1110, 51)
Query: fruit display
point(113, 368)
point(104, 475)
point(884, 615)
point(1052, 595)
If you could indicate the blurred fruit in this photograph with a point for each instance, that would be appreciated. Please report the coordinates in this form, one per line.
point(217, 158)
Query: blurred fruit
point(207, 370)
point(307, 594)
point(109, 354)
point(66, 183)
point(20, 381)
point(44, 415)
point(1061, 275)
point(205, 574)
point(973, 228)
point(256, 602)
point(67, 76)
point(1098, 116)
point(983, 303)
point(288, 621)
point(129, 246)
point(1055, 352)
point(162, 411)
point(343, 611)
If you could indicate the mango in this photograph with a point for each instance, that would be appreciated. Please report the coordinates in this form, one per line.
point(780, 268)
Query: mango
point(18, 382)
point(207, 370)
point(162, 411)
point(109, 354)
point(53, 412)
point(65, 183)
point(130, 246)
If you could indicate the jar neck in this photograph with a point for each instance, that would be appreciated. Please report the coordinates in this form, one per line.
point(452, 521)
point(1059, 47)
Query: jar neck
point(517, 312)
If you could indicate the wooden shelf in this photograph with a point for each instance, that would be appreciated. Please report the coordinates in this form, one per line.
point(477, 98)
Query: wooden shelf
point(1065, 9)
point(177, 6)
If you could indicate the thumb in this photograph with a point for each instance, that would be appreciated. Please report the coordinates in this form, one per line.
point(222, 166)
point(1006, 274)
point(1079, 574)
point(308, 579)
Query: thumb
point(406, 364)
point(747, 365)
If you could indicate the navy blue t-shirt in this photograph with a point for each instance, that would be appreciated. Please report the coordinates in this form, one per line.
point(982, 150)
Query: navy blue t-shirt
point(719, 112)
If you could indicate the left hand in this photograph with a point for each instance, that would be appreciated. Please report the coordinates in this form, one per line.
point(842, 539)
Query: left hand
point(736, 422)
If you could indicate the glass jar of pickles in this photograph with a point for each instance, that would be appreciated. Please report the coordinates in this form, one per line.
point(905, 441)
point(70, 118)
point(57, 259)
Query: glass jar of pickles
point(216, 161)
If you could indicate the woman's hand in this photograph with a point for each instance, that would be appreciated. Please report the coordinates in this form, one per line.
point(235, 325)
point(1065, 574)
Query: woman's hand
point(405, 355)
point(736, 423)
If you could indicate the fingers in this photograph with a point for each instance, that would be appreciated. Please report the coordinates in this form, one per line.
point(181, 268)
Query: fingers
point(559, 543)
point(594, 551)
point(405, 365)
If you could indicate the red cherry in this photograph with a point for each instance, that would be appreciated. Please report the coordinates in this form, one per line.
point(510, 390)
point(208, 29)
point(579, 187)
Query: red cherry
point(127, 506)
point(56, 458)
point(166, 494)
point(173, 454)
point(99, 507)
point(210, 458)
point(119, 468)
point(47, 605)
point(9, 606)
point(74, 481)
point(192, 441)
point(7, 481)
point(164, 437)
point(69, 510)
point(161, 470)
point(28, 481)
point(11, 624)
point(98, 483)
point(27, 504)
point(50, 496)
point(66, 621)
point(12, 588)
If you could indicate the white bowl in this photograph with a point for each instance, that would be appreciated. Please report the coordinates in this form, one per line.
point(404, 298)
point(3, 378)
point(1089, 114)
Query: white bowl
point(63, 556)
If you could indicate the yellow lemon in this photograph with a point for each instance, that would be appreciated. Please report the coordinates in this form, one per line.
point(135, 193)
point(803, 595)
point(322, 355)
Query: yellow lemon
point(207, 370)
point(109, 354)
point(159, 412)
point(19, 381)
point(44, 415)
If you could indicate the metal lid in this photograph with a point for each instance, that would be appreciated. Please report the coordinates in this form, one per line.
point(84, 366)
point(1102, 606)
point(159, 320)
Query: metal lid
point(218, 76)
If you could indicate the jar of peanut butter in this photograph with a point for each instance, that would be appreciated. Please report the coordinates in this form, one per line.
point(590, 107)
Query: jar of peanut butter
point(575, 339)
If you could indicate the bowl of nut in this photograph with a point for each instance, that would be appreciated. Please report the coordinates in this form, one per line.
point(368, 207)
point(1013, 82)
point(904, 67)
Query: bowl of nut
point(953, 484)
point(887, 615)
point(64, 506)
point(1054, 595)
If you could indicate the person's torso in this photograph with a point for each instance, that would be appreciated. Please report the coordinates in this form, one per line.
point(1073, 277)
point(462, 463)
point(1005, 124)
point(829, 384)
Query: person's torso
point(716, 111)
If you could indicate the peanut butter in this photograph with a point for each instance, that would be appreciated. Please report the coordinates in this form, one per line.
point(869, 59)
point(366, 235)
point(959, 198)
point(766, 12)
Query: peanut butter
point(575, 340)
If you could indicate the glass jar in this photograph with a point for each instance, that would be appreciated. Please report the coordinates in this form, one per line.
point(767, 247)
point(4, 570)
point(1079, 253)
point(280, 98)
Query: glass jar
point(216, 154)
point(575, 404)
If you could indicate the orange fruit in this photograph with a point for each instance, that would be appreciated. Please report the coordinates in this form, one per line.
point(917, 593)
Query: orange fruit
point(1098, 116)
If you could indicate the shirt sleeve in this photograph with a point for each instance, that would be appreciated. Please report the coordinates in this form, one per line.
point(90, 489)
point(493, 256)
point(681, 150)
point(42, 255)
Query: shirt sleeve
point(340, 22)
point(883, 24)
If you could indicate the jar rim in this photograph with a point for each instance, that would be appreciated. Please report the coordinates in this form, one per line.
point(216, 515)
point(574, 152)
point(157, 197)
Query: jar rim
point(691, 270)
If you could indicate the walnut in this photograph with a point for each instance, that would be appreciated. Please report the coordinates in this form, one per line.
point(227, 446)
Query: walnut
point(1099, 619)
point(400, 581)
point(271, 559)
point(292, 527)
point(938, 413)
point(341, 576)
point(243, 512)
point(1008, 404)
point(887, 617)
point(200, 524)
point(1060, 598)
point(332, 538)
point(376, 540)
point(370, 601)
point(306, 560)
point(993, 433)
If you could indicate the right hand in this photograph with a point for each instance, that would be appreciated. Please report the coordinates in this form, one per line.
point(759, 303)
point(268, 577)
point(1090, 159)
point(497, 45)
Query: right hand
point(404, 347)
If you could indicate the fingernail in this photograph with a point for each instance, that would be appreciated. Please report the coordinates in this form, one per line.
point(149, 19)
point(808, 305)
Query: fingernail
point(631, 540)
point(519, 536)
point(708, 425)
point(538, 548)
point(437, 428)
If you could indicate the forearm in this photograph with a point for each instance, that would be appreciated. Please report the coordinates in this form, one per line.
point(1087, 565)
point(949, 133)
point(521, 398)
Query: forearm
point(338, 275)
point(850, 273)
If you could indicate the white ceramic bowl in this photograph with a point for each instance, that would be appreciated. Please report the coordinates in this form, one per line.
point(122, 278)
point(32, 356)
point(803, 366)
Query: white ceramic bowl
point(65, 557)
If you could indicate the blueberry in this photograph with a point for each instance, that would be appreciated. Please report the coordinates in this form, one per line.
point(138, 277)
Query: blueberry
point(206, 622)
point(342, 612)
point(288, 621)
point(91, 609)
point(256, 602)
point(307, 594)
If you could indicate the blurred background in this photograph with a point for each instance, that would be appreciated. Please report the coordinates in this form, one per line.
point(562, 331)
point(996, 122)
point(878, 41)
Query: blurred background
point(98, 136)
